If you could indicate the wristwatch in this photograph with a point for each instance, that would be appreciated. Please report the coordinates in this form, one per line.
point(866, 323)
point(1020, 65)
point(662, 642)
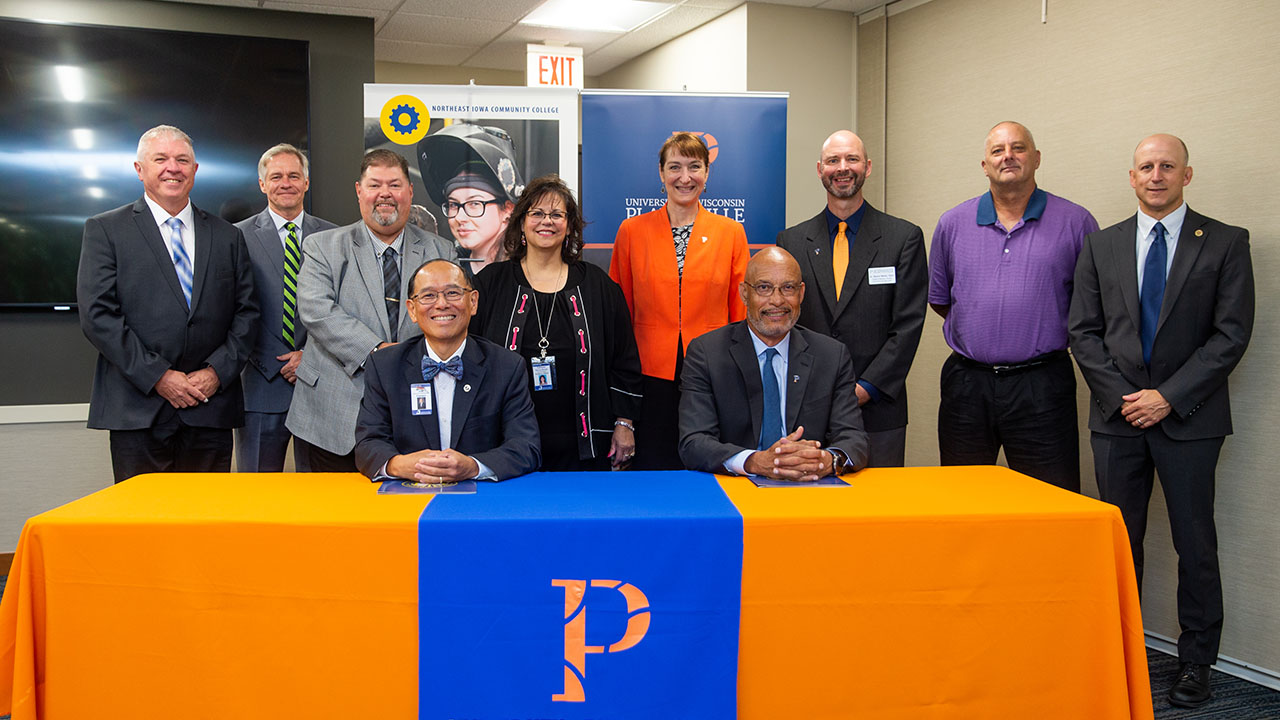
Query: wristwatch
point(839, 461)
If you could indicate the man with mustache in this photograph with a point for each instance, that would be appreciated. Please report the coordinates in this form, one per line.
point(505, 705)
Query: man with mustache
point(1000, 274)
point(764, 397)
point(350, 291)
point(866, 275)
point(1162, 313)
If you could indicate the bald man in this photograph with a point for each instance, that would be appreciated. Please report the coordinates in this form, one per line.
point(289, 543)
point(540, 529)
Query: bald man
point(762, 396)
point(1162, 313)
point(1000, 274)
point(867, 277)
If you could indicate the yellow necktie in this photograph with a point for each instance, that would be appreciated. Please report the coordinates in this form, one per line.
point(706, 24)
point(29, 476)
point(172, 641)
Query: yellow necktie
point(840, 256)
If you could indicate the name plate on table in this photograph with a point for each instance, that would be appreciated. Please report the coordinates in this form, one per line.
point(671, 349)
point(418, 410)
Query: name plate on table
point(828, 481)
point(570, 596)
point(409, 487)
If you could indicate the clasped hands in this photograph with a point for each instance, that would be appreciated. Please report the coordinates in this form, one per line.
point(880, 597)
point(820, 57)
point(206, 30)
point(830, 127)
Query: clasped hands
point(791, 458)
point(433, 466)
point(1144, 408)
point(184, 390)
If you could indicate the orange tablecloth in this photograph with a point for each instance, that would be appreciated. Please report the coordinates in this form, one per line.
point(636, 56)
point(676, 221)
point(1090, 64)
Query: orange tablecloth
point(923, 592)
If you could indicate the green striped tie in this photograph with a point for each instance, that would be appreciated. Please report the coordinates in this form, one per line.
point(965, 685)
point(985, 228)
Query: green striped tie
point(292, 261)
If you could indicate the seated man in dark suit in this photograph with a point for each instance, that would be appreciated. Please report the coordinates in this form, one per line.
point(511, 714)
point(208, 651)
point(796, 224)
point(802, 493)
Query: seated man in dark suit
point(745, 384)
point(467, 390)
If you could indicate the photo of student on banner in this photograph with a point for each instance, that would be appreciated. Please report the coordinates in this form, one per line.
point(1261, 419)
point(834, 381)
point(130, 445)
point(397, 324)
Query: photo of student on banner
point(470, 172)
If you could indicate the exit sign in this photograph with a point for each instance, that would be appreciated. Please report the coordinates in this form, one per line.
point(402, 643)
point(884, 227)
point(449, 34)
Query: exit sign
point(550, 66)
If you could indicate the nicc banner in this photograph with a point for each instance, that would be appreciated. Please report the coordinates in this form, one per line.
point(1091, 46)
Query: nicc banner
point(746, 134)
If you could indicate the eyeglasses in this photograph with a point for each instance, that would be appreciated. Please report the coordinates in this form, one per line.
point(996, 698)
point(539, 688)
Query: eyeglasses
point(538, 216)
point(428, 297)
point(473, 208)
point(764, 289)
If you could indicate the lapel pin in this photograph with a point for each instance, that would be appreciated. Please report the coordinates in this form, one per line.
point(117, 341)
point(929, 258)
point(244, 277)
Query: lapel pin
point(466, 388)
point(817, 251)
point(1199, 233)
point(795, 378)
point(704, 238)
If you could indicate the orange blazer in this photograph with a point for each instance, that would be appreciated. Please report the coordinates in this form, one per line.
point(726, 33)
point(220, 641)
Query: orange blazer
point(664, 310)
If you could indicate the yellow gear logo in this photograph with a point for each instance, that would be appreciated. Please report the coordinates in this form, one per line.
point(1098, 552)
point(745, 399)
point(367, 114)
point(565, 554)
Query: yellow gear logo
point(404, 120)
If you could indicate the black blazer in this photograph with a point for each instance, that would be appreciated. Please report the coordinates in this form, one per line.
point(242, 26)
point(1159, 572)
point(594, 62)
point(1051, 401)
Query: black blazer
point(722, 397)
point(879, 324)
point(1205, 323)
point(493, 422)
point(132, 310)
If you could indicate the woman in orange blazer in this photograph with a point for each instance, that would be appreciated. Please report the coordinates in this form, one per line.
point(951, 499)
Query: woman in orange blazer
point(679, 267)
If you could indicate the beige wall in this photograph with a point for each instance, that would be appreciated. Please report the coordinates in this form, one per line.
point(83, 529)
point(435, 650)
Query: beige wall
point(709, 58)
point(1091, 82)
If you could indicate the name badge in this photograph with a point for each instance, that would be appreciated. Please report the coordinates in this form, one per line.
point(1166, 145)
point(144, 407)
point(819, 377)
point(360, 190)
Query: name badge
point(420, 398)
point(544, 372)
point(882, 276)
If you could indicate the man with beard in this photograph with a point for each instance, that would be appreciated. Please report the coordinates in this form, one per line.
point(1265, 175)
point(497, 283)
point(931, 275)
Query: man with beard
point(350, 289)
point(1001, 275)
point(764, 397)
point(866, 275)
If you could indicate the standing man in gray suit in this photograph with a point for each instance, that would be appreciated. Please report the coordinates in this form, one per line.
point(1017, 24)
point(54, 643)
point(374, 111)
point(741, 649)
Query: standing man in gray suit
point(350, 292)
point(166, 297)
point(275, 237)
point(1161, 314)
point(867, 278)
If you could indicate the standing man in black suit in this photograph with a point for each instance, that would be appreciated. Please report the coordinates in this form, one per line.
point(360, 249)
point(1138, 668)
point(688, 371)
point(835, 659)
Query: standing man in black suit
point(275, 237)
point(446, 406)
point(166, 296)
point(765, 397)
point(1161, 314)
point(867, 277)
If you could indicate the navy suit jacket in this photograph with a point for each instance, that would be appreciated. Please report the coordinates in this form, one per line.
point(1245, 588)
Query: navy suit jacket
point(493, 419)
point(1205, 323)
point(265, 390)
point(722, 398)
point(133, 311)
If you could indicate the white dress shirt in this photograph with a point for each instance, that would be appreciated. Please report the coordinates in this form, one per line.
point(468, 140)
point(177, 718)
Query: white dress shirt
point(1147, 236)
point(737, 463)
point(281, 232)
point(187, 217)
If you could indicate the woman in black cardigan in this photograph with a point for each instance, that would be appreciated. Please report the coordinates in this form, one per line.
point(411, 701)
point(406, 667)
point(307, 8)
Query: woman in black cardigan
point(569, 320)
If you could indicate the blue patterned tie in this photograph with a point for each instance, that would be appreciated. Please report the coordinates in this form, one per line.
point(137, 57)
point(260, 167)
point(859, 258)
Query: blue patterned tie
point(391, 290)
point(431, 368)
point(181, 261)
point(1152, 294)
point(771, 425)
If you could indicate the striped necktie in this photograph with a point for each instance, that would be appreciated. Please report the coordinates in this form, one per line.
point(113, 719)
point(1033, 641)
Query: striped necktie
point(292, 261)
point(181, 261)
point(391, 290)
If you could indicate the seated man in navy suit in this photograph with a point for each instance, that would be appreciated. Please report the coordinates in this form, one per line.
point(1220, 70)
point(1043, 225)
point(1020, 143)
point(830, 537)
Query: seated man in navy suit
point(467, 390)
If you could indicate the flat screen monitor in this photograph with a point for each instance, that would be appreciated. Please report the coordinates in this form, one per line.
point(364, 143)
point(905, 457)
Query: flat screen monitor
point(75, 98)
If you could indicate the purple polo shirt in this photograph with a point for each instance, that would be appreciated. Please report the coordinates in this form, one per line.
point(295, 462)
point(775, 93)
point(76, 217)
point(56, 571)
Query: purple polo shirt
point(1009, 290)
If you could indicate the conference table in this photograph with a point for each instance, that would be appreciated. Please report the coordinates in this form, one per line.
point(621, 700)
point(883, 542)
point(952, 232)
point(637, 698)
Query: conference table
point(960, 592)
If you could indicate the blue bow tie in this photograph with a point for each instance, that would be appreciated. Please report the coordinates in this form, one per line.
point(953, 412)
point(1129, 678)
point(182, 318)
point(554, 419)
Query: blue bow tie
point(431, 368)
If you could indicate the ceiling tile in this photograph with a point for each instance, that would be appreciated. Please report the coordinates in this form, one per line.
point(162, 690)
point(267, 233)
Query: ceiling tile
point(336, 6)
point(500, 55)
point(500, 10)
point(432, 29)
point(421, 53)
point(714, 4)
point(352, 9)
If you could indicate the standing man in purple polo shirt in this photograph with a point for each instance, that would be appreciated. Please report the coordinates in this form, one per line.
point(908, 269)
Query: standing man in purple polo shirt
point(1001, 271)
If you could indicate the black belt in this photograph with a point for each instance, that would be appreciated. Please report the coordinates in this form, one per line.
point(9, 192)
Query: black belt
point(1012, 368)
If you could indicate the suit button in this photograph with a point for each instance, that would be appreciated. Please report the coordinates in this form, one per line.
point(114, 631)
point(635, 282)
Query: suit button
point(835, 334)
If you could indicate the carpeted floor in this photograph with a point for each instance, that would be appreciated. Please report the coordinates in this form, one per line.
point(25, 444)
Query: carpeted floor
point(1233, 698)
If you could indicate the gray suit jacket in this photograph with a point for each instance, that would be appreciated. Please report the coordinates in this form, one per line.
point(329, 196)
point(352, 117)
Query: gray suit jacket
point(133, 311)
point(340, 300)
point(880, 324)
point(1205, 323)
point(722, 397)
point(265, 390)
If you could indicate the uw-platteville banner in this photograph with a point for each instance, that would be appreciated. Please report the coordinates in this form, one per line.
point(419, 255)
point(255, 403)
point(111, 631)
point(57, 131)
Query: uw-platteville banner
point(504, 135)
point(746, 134)
point(581, 596)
